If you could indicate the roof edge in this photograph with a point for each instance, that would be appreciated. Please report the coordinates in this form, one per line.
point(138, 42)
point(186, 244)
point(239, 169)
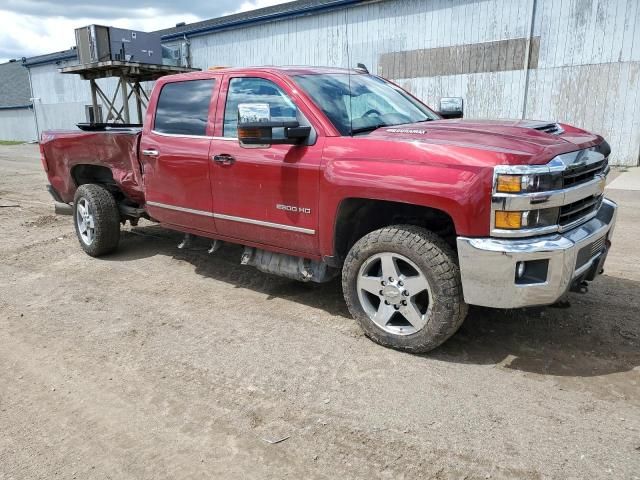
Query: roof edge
point(50, 58)
point(15, 107)
point(234, 23)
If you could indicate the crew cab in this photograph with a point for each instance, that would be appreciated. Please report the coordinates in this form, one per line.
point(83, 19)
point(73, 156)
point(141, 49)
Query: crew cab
point(323, 172)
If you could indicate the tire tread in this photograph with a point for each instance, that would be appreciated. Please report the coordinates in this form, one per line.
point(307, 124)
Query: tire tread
point(106, 219)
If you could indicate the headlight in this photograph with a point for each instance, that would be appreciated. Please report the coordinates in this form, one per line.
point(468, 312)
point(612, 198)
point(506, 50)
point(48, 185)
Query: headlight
point(528, 219)
point(507, 183)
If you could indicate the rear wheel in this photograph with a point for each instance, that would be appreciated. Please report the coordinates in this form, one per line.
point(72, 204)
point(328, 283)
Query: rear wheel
point(402, 285)
point(97, 219)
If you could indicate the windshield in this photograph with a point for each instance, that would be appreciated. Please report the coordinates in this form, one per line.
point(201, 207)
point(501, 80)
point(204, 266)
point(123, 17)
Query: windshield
point(369, 103)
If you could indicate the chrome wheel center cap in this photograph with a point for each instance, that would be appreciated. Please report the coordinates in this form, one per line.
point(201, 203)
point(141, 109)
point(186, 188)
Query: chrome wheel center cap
point(392, 294)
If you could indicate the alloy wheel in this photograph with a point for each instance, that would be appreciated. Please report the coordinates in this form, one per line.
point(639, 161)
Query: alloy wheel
point(394, 293)
point(86, 221)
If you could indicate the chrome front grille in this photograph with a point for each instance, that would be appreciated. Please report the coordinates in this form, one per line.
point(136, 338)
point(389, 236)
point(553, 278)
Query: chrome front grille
point(574, 176)
point(576, 211)
point(554, 197)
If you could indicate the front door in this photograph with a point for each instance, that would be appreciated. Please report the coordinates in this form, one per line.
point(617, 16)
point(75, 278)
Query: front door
point(264, 194)
point(174, 152)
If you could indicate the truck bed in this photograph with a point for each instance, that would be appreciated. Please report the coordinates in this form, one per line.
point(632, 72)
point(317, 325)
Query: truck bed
point(64, 151)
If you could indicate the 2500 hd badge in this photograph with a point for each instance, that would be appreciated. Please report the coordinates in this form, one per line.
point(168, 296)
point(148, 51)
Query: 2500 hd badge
point(293, 208)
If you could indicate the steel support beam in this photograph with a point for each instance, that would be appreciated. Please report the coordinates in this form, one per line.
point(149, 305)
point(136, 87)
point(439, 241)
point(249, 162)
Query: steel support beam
point(136, 90)
point(125, 100)
point(94, 101)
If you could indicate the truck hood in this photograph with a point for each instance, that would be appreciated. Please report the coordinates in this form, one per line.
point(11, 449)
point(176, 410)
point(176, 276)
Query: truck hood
point(533, 140)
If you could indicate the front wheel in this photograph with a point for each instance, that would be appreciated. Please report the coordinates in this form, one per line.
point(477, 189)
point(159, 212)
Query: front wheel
point(402, 285)
point(97, 219)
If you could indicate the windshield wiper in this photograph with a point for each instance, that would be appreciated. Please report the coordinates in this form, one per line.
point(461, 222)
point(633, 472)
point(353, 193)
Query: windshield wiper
point(370, 128)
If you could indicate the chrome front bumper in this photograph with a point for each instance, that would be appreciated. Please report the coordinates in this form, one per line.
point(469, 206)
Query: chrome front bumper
point(488, 265)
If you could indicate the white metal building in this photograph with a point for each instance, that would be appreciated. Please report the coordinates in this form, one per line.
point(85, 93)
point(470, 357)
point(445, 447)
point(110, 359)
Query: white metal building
point(575, 61)
point(16, 116)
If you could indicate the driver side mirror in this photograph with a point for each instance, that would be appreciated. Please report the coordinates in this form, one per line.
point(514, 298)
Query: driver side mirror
point(451, 107)
point(255, 127)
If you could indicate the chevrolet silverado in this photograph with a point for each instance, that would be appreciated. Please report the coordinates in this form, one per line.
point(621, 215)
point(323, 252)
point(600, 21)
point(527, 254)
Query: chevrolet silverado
point(320, 172)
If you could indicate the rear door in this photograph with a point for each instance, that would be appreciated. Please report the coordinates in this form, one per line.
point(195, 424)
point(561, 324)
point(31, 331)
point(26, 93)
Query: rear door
point(174, 152)
point(265, 194)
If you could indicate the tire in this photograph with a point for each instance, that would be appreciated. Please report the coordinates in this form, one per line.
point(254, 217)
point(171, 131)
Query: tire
point(94, 205)
point(417, 321)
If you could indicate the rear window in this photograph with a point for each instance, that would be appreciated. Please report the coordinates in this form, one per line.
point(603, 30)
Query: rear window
point(183, 107)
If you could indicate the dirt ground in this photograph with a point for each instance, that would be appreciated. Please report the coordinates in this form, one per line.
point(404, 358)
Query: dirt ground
point(157, 363)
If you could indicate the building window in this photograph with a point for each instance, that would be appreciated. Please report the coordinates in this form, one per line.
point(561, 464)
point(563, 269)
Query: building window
point(183, 108)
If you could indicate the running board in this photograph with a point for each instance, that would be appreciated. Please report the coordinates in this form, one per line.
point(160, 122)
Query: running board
point(63, 208)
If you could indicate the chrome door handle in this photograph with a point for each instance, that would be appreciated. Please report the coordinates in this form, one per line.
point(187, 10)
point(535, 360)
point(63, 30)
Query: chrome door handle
point(150, 153)
point(224, 159)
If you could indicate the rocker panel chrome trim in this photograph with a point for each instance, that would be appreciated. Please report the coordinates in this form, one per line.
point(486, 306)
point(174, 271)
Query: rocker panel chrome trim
point(262, 223)
point(180, 209)
point(232, 218)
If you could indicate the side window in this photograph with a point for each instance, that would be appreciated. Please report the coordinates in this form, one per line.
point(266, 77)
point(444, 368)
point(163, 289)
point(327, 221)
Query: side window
point(255, 90)
point(183, 107)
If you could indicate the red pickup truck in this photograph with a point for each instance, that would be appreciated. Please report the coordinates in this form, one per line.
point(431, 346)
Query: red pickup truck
point(321, 172)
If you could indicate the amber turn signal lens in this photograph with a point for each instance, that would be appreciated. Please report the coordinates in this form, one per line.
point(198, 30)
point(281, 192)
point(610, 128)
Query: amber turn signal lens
point(508, 220)
point(509, 183)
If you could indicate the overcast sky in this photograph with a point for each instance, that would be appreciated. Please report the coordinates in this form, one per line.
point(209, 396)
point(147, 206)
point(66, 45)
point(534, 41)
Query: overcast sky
point(34, 27)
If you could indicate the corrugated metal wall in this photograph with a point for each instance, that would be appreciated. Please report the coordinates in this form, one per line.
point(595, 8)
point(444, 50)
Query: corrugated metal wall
point(589, 69)
point(584, 58)
point(17, 124)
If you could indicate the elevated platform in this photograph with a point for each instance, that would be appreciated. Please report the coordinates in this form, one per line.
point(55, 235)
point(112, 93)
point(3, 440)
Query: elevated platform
point(131, 71)
point(129, 75)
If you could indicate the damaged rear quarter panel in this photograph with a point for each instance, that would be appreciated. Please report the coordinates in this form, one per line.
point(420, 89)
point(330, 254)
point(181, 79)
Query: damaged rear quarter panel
point(116, 151)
